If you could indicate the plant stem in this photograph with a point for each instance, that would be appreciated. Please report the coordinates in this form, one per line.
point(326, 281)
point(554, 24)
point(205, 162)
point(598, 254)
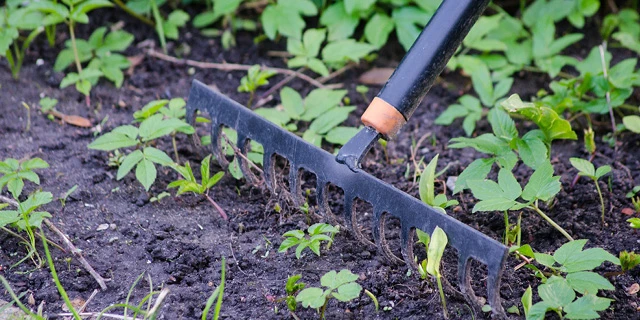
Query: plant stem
point(601, 200)
point(550, 221)
point(506, 228)
point(519, 238)
point(220, 210)
point(444, 302)
point(77, 57)
point(324, 308)
point(132, 13)
point(54, 274)
point(175, 147)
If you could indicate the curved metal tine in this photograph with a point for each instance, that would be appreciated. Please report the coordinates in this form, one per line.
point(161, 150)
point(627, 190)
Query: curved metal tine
point(464, 277)
point(245, 167)
point(348, 213)
point(493, 290)
point(323, 202)
point(269, 170)
point(381, 241)
point(216, 145)
point(356, 227)
point(294, 184)
point(407, 246)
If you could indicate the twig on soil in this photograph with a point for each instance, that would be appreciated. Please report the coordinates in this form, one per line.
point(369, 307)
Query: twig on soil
point(77, 253)
point(84, 306)
point(239, 153)
point(159, 300)
point(336, 73)
point(231, 67)
point(236, 260)
point(262, 99)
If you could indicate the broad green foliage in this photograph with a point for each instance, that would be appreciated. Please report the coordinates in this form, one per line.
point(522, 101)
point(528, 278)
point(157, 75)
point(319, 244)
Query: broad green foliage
point(189, 183)
point(14, 18)
point(100, 50)
point(571, 275)
point(294, 11)
point(623, 27)
point(632, 123)
point(427, 188)
point(339, 285)
point(550, 123)
point(225, 9)
point(316, 234)
point(13, 173)
point(145, 156)
point(26, 216)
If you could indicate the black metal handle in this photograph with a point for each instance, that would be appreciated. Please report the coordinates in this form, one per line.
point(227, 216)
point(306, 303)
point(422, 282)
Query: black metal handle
point(430, 53)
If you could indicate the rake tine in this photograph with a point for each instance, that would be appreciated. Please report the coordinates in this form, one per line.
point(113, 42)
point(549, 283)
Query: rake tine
point(407, 245)
point(356, 227)
point(321, 195)
point(493, 290)
point(216, 146)
point(269, 170)
point(464, 277)
point(381, 240)
point(245, 167)
point(294, 184)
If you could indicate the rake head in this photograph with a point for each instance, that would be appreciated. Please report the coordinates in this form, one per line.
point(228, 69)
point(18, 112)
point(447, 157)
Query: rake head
point(386, 200)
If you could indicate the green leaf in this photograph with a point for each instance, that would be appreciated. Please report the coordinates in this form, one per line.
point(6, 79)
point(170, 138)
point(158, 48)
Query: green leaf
point(292, 102)
point(340, 24)
point(319, 101)
point(547, 120)
point(330, 119)
point(436, 250)
point(586, 306)
point(288, 243)
point(347, 292)
point(378, 28)
point(584, 166)
point(556, 292)
point(320, 228)
point(476, 170)
point(503, 126)
point(427, 182)
point(333, 279)
point(538, 310)
point(15, 187)
point(532, 151)
point(157, 156)
point(311, 297)
point(409, 21)
point(35, 163)
point(632, 123)
point(542, 184)
point(340, 135)
point(111, 141)
point(486, 143)
point(146, 173)
point(342, 51)
point(588, 282)
point(574, 259)
point(602, 171)
point(128, 163)
point(527, 300)
point(9, 217)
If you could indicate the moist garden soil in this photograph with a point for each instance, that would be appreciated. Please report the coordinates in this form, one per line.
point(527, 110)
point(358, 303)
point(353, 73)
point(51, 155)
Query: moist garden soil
point(178, 242)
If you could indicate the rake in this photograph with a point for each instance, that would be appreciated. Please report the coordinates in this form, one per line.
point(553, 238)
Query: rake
point(384, 117)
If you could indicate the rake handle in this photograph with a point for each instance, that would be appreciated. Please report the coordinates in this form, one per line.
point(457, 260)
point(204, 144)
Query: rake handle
point(419, 68)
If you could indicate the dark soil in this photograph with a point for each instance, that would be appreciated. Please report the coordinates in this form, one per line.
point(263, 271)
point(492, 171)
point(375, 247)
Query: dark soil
point(178, 242)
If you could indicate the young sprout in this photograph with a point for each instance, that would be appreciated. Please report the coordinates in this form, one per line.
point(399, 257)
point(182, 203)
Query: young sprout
point(427, 188)
point(629, 260)
point(190, 184)
point(586, 168)
point(340, 285)
point(254, 79)
point(434, 256)
point(316, 234)
point(292, 288)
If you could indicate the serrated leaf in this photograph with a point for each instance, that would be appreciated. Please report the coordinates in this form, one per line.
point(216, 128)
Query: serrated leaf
point(128, 163)
point(542, 184)
point(311, 297)
point(111, 141)
point(588, 282)
point(333, 279)
point(146, 173)
point(347, 292)
point(157, 156)
point(586, 306)
point(556, 292)
point(378, 28)
point(476, 170)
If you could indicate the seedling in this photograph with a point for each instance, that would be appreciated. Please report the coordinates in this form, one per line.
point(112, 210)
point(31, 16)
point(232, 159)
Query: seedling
point(101, 51)
point(14, 172)
point(72, 12)
point(216, 296)
point(434, 256)
point(586, 168)
point(427, 188)
point(190, 184)
point(629, 260)
point(316, 234)
point(63, 198)
point(558, 292)
point(339, 285)
point(306, 50)
point(226, 10)
point(13, 19)
point(292, 288)
point(144, 157)
point(254, 79)
point(634, 223)
point(502, 196)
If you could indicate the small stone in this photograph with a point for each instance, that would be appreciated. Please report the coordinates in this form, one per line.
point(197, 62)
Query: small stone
point(451, 182)
point(102, 227)
point(633, 289)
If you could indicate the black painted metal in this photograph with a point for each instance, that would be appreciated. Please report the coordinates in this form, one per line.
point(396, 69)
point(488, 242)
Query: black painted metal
point(385, 199)
point(357, 147)
point(429, 54)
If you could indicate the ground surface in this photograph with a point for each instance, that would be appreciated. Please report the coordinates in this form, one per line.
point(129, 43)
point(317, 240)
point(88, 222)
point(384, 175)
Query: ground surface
point(179, 242)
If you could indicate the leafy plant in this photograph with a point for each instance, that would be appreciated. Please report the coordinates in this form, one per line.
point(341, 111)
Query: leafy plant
point(503, 195)
point(217, 295)
point(254, 79)
point(627, 24)
point(13, 19)
point(571, 273)
point(26, 218)
point(305, 51)
point(71, 12)
point(427, 188)
point(101, 52)
point(144, 157)
point(14, 172)
point(628, 260)
point(339, 285)
point(435, 246)
point(316, 234)
point(586, 168)
point(190, 184)
point(292, 288)
point(634, 223)
point(166, 28)
point(225, 9)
